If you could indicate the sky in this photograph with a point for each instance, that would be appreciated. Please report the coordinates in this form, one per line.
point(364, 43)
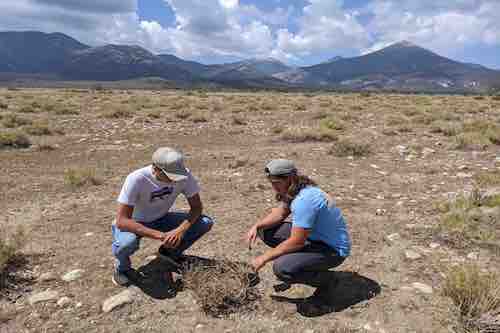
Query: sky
point(297, 32)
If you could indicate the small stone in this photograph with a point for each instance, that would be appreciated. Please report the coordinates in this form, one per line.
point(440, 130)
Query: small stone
point(63, 301)
point(150, 258)
point(200, 327)
point(424, 288)
point(434, 245)
point(380, 211)
point(79, 305)
point(472, 256)
point(464, 175)
point(48, 276)
point(73, 275)
point(374, 166)
point(117, 300)
point(44, 296)
point(406, 288)
point(309, 331)
point(367, 327)
point(427, 151)
point(89, 234)
point(412, 255)
point(393, 237)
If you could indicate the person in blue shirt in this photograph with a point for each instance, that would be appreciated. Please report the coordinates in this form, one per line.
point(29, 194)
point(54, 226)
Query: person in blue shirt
point(314, 241)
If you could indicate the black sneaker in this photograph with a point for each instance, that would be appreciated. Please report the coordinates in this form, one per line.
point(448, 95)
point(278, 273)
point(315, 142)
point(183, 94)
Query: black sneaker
point(281, 287)
point(123, 279)
point(170, 258)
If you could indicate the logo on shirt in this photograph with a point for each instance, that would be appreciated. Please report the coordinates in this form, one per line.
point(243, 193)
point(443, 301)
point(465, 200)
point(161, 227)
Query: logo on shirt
point(161, 193)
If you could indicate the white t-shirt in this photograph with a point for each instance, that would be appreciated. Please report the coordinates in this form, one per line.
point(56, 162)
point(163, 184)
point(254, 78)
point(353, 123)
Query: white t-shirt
point(152, 198)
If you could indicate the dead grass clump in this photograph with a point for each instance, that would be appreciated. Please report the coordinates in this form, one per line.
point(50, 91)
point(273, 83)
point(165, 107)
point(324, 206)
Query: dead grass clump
point(119, 113)
point(471, 139)
point(490, 178)
point(38, 129)
point(331, 124)
point(199, 118)
point(183, 114)
point(476, 295)
point(64, 111)
point(13, 121)
point(14, 140)
point(221, 287)
point(347, 147)
point(470, 218)
point(238, 121)
point(79, 177)
point(4, 106)
point(10, 244)
point(298, 135)
point(446, 128)
point(28, 109)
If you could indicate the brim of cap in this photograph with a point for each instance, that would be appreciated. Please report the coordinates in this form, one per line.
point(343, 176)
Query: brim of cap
point(176, 177)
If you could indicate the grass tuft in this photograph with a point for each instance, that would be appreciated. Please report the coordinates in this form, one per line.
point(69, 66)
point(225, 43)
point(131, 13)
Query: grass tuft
point(79, 177)
point(347, 147)
point(14, 140)
point(476, 295)
point(10, 245)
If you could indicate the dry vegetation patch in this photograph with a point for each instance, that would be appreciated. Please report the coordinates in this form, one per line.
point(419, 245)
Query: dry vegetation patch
point(476, 295)
point(221, 287)
point(14, 140)
point(79, 177)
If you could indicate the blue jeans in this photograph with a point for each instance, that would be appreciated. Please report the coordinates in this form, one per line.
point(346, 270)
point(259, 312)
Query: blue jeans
point(126, 243)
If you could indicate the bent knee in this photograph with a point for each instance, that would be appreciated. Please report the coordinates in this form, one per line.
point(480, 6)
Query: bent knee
point(128, 245)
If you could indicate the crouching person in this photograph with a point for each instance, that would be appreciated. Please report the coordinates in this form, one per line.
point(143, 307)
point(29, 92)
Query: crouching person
point(144, 211)
point(314, 241)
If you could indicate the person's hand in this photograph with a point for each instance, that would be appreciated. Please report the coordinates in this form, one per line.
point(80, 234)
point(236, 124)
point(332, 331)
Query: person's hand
point(251, 236)
point(258, 263)
point(172, 238)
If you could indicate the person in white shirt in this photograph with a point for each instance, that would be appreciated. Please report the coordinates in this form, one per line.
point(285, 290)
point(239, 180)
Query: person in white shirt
point(144, 211)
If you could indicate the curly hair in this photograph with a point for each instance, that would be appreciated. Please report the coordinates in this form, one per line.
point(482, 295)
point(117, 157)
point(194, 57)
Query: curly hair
point(298, 183)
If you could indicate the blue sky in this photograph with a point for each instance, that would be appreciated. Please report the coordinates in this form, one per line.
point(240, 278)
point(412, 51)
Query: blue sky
point(298, 32)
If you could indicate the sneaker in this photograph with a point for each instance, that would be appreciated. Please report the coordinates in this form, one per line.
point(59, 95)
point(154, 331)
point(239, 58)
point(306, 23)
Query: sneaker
point(281, 287)
point(122, 278)
point(170, 258)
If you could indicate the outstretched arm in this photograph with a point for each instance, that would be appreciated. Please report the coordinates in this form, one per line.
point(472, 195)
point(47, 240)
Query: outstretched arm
point(276, 216)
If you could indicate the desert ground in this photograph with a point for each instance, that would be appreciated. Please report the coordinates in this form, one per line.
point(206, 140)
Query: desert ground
point(417, 177)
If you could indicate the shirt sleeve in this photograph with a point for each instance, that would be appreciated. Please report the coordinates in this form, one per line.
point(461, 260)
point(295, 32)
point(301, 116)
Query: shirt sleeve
point(304, 211)
point(129, 194)
point(191, 188)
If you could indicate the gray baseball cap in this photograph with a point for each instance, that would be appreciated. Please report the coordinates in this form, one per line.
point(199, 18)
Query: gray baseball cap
point(171, 162)
point(280, 167)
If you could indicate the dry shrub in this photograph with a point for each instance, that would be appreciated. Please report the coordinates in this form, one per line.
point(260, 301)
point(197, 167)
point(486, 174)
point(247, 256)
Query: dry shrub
point(221, 287)
point(14, 140)
point(80, 177)
point(488, 178)
point(4, 106)
point(470, 219)
point(38, 129)
point(347, 147)
point(331, 124)
point(63, 111)
point(119, 113)
point(13, 121)
point(446, 128)
point(238, 121)
point(476, 296)
point(10, 244)
point(298, 135)
point(199, 118)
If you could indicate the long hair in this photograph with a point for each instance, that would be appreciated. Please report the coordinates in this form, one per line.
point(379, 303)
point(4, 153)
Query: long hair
point(298, 183)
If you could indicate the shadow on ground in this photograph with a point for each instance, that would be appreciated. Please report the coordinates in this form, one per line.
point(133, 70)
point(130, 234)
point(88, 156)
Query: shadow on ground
point(351, 289)
point(16, 278)
point(152, 281)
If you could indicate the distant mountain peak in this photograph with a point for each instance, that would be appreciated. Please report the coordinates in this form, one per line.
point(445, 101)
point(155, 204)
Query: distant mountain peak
point(404, 43)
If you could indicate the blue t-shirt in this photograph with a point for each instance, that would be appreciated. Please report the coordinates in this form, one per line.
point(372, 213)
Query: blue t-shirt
point(312, 210)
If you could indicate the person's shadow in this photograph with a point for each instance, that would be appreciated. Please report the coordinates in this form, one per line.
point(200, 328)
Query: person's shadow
point(152, 277)
point(351, 288)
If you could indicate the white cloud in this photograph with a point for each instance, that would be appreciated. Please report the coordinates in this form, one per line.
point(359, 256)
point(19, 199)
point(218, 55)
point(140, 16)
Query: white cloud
point(441, 25)
point(324, 26)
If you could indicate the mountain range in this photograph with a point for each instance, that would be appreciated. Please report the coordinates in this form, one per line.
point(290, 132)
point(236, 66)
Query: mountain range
point(402, 66)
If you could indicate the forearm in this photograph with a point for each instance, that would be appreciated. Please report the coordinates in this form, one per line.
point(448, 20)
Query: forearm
point(193, 217)
point(132, 226)
point(275, 217)
point(288, 246)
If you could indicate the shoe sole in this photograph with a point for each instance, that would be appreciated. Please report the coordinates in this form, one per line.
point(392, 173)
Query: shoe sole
point(117, 284)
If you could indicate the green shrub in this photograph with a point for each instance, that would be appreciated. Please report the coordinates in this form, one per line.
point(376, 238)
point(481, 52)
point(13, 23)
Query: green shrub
point(306, 135)
point(14, 140)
